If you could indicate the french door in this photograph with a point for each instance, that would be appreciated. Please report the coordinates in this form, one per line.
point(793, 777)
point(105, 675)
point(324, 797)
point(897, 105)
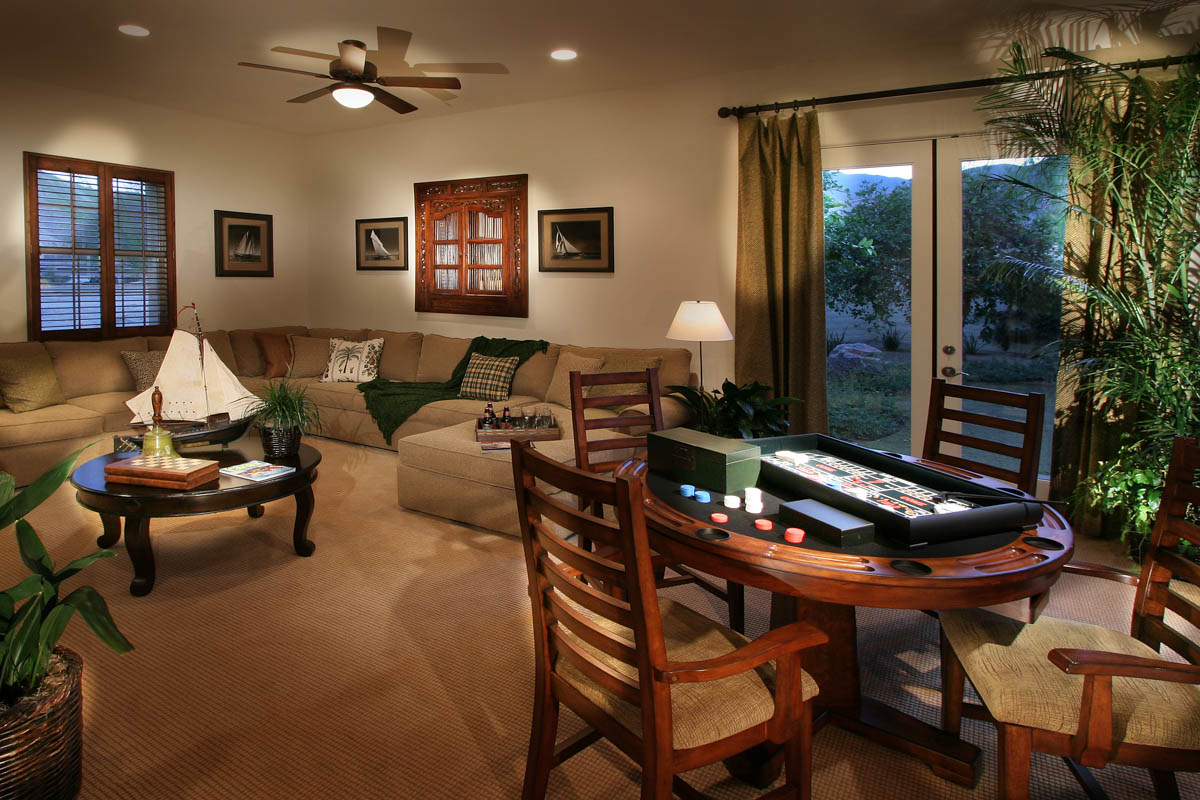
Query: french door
point(921, 238)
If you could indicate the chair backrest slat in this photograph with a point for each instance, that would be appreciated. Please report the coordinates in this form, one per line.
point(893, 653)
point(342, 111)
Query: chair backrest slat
point(1168, 577)
point(585, 446)
point(1031, 406)
point(586, 595)
point(586, 526)
point(591, 565)
point(586, 629)
point(623, 686)
point(631, 421)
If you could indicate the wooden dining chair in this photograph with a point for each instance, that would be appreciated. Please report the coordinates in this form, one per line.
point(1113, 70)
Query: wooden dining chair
point(1031, 408)
point(671, 688)
point(1089, 694)
point(594, 454)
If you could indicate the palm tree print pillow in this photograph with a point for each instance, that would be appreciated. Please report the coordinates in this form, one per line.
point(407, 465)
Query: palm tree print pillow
point(357, 362)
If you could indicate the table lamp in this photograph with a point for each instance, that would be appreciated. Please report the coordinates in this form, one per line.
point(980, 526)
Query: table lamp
point(699, 321)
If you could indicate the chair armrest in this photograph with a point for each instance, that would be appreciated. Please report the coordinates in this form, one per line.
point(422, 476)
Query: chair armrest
point(1099, 662)
point(771, 645)
point(1101, 571)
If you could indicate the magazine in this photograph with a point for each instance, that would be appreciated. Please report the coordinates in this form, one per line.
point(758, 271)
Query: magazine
point(257, 470)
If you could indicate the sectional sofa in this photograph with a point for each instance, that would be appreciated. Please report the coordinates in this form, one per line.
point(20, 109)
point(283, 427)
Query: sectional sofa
point(440, 468)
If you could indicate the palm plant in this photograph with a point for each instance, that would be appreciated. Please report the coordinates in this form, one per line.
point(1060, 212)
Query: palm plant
point(32, 615)
point(1129, 279)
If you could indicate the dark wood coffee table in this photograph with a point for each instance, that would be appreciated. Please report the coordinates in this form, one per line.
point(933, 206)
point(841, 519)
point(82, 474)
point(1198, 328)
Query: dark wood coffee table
point(139, 504)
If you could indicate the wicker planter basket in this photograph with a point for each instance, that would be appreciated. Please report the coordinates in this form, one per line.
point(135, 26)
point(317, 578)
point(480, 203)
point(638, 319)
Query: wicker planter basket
point(41, 738)
point(278, 443)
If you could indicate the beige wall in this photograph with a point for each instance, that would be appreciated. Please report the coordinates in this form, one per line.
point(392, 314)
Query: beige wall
point(217, 165)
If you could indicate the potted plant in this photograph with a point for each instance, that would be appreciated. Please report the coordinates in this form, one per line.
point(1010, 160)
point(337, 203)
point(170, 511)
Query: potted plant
point(41, 701)
point(747, 411)
point(283, 413)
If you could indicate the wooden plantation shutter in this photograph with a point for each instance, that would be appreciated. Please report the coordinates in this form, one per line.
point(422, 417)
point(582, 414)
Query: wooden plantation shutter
point(100, 245)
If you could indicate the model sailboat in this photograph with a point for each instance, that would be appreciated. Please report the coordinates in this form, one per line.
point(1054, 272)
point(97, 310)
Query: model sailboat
point(202, 400)
point(380, 250)
point(562, 247)
point(247, 248)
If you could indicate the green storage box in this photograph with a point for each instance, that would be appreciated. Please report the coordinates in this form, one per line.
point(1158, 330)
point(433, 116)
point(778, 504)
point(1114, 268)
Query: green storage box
point(703, 460)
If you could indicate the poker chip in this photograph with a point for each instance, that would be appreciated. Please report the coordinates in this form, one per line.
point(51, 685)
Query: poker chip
point(718, 517)
point(764, 524)
point(794, 535)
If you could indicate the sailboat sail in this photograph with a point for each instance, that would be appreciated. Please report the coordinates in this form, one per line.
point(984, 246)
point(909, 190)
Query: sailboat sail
point(247, 247)
point(193, 386)
point(562, 247)
point(380, 250)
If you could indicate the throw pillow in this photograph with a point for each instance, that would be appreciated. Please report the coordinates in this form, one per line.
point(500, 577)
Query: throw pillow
point(310, 356)
point(488, 377)
point(620, 362)
point(277, 352)
point(357, 362)
point(143, 366)
point(560, 385)
point(30, 383)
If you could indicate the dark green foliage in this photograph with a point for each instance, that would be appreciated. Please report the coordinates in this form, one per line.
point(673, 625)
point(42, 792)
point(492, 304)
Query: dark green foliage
point(747, 411)
point(864, 406)
point(892, 339)
point(832, 340)
point(1009, 369)
point(32, 616)
point(287, 405)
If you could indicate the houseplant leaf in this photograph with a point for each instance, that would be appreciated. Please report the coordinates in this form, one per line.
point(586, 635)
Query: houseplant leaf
point(91, 606)
point(79, 563)
point(32, 552)
point(35, 493)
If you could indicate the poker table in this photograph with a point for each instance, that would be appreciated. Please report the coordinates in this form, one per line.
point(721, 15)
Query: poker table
point(822, 583)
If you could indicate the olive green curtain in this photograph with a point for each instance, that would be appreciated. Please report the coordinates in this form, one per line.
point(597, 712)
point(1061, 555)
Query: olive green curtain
point(780, 306)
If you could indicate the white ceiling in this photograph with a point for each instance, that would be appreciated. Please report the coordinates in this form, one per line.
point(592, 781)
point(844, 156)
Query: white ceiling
point(190, 60)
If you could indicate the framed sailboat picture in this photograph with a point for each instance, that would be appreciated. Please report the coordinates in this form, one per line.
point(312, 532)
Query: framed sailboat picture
point(245, 245)
point(575, 240)
point(381, 244)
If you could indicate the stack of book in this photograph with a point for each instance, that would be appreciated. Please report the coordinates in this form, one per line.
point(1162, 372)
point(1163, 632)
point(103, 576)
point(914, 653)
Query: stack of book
point(165, 472)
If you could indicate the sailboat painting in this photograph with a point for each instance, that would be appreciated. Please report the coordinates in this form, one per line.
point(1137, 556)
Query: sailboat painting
point(381, 244)
point(244, 244)
point(576, 240)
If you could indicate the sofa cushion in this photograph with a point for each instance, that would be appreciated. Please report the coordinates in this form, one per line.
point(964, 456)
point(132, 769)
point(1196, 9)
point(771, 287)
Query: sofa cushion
point(676, 366)
point(357, 362)
point(246, 353)
point(20, 350)
point(349, 334)
point(559, 390)
point(276, 352)
point(310, 356)
point(439, 356)
point(488, 377)
point(337, 395)
point(93, 367)
point(533, 377)
point(158, 342)
point(30, 383)
point(49, 424)
point(222, 347)
point(401, 352)
point(623, 362)
point(143, 366)
point(115, 415)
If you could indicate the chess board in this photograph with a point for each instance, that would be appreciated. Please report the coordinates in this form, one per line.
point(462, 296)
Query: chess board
point(167, 472)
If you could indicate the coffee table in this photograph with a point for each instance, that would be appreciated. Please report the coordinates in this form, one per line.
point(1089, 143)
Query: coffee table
point(137, 505)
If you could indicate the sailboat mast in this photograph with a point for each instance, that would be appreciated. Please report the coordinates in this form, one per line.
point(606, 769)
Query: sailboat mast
point(200, 339)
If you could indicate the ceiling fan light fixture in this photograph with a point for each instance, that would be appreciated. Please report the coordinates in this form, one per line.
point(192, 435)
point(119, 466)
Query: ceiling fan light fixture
point(352, 96)
point(133, 30)
point(563, 54)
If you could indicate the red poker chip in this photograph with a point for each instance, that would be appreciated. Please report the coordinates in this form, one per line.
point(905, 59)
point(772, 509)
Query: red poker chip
point(717, 516)
point(764, 524)
point(794, 535)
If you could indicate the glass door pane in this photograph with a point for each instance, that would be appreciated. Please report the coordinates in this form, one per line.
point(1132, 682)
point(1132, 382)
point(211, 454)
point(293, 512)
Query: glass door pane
point(877, 281)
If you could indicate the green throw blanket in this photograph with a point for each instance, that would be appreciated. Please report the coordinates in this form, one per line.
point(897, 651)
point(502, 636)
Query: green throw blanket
point(392, 402)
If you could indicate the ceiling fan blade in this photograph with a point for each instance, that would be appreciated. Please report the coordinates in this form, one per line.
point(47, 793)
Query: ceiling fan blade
point(313, 95)
point(477, 68)
point(283, 69)
point(393, 41)
point(391, 101)
point(292, 51)
point(353, 55)
point(419, 82)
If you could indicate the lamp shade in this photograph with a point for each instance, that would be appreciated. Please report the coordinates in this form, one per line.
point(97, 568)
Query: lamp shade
point(699, 321)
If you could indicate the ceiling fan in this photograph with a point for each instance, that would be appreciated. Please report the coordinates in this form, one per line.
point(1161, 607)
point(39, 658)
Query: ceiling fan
point(353, 73)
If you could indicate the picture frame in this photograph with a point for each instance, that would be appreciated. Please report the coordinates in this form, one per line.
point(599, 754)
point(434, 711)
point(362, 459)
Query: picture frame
point(245, 245)
point(381, 244)
point(575, 240)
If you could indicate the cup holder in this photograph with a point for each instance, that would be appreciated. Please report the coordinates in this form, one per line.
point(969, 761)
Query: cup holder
point(713, 534)
point(909, 567)
point(1042, 542)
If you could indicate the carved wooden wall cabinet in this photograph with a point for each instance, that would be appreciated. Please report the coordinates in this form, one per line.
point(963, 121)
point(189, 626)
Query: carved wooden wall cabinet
point(472, 257)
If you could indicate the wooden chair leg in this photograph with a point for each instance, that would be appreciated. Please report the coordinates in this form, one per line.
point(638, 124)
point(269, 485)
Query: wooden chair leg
point(736, 597)
point(797, 757)
point(953, 685)
point(1015, 749)
point(542, 733)
point(657, 782)
point(1166, 787)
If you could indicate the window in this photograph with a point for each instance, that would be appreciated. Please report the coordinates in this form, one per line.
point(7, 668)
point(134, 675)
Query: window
point(100, 249)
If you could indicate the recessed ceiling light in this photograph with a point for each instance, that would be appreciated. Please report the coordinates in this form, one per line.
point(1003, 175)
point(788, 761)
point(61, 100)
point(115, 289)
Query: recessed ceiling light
point(133, 30)
point(563, 54)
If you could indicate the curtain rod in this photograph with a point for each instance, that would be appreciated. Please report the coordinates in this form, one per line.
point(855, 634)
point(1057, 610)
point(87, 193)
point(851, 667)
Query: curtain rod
point(741, 111)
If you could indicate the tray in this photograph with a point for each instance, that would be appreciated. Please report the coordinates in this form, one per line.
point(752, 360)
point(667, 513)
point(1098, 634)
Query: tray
point(516, 434)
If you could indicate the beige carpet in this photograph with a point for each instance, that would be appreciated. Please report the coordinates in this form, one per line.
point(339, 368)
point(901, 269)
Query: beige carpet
point(396, 662)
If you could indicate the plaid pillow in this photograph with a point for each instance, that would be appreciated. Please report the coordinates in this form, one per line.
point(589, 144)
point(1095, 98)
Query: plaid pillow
point(488, 377)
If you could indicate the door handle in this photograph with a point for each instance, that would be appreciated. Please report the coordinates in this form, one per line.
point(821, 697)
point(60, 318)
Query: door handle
point(951, 372)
